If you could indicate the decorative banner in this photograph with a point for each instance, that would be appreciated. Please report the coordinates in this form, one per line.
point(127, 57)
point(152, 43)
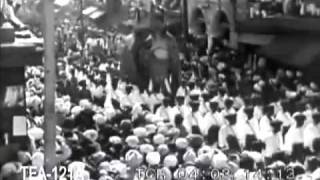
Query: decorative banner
point(19, 126)
point(13, 97)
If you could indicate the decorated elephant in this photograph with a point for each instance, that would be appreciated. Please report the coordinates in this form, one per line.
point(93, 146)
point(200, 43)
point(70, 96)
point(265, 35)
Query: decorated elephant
point(213, 19)
point(150, 53)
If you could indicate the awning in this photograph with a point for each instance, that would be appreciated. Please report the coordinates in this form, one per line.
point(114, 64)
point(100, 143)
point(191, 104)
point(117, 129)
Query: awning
point(93, 12)
point(61, 2)
point(298, 51)
point(96, 14)
point(283, 25)
point(89, 10)
point(255, 39)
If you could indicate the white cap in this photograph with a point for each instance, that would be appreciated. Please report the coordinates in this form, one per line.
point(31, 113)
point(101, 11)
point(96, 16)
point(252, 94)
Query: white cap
point(153, 158)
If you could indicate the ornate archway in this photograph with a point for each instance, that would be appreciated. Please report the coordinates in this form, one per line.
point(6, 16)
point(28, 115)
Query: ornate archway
point(198, 23)
point(223, 22)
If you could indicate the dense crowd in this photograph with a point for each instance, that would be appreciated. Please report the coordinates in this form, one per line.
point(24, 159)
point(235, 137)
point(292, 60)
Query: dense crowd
point(277, 8)
point(241, 120)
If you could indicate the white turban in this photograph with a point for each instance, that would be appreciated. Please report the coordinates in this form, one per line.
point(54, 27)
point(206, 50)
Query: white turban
point(133, 158)
point(104, 166)
point(221, 66)
point(153, 158)
point(170, 161)
point(85, 104)
point(151, 128)
point(189, 156)
point(163, 149)
point(140, 132)
point(204, 159)
point(38, 159)
point(182, 143)
point(219, 160)
point(163, 130)
point(91, 134)
point(146, 148)
point(119, 167)
point(36, 133)
point(132, 141)
point(76, 110)
point(115, 140)
point(99, 118)
point(77, 167)
point(159, 139)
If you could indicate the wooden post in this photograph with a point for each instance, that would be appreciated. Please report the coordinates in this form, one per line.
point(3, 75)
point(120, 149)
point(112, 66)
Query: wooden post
point(185, 19)
point(82, 31)
point(50, 83)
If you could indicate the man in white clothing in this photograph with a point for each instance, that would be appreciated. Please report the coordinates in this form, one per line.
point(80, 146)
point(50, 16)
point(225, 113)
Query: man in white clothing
point(257, 112)
point(228, 107)
point(267, 118)
point(163, 110)
point(181, 107)
point(249, 126)
point(312, 131)
point(204, 102)
point(194, 118)
point(284, 116)
point(220, 97)
point(228, 129)
point(295, 133)
point(241, 116)
point(214, 115)
point(274, 141)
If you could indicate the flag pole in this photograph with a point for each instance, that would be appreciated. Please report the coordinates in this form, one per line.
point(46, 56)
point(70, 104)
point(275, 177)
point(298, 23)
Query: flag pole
point(50, 83)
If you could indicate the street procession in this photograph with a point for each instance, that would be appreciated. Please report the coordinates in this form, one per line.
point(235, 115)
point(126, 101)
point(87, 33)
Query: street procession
point(159, 90)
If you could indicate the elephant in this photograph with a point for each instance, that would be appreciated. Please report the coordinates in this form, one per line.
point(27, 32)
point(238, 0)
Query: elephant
point(150, 55)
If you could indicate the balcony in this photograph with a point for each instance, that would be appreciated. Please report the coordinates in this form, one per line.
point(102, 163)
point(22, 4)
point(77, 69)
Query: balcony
point(275, 9)
point(26, 49)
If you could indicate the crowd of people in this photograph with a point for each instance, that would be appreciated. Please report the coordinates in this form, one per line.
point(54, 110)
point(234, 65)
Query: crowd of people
point(228, 120)
point(278, 8)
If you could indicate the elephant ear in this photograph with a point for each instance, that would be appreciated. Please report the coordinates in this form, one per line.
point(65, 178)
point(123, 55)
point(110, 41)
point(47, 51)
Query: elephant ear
point(175, 66)
point(143, 62)
point(141, 55)
point(128, 68)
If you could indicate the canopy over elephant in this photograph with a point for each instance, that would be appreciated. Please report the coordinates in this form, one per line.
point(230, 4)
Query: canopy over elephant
point(151, 53)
